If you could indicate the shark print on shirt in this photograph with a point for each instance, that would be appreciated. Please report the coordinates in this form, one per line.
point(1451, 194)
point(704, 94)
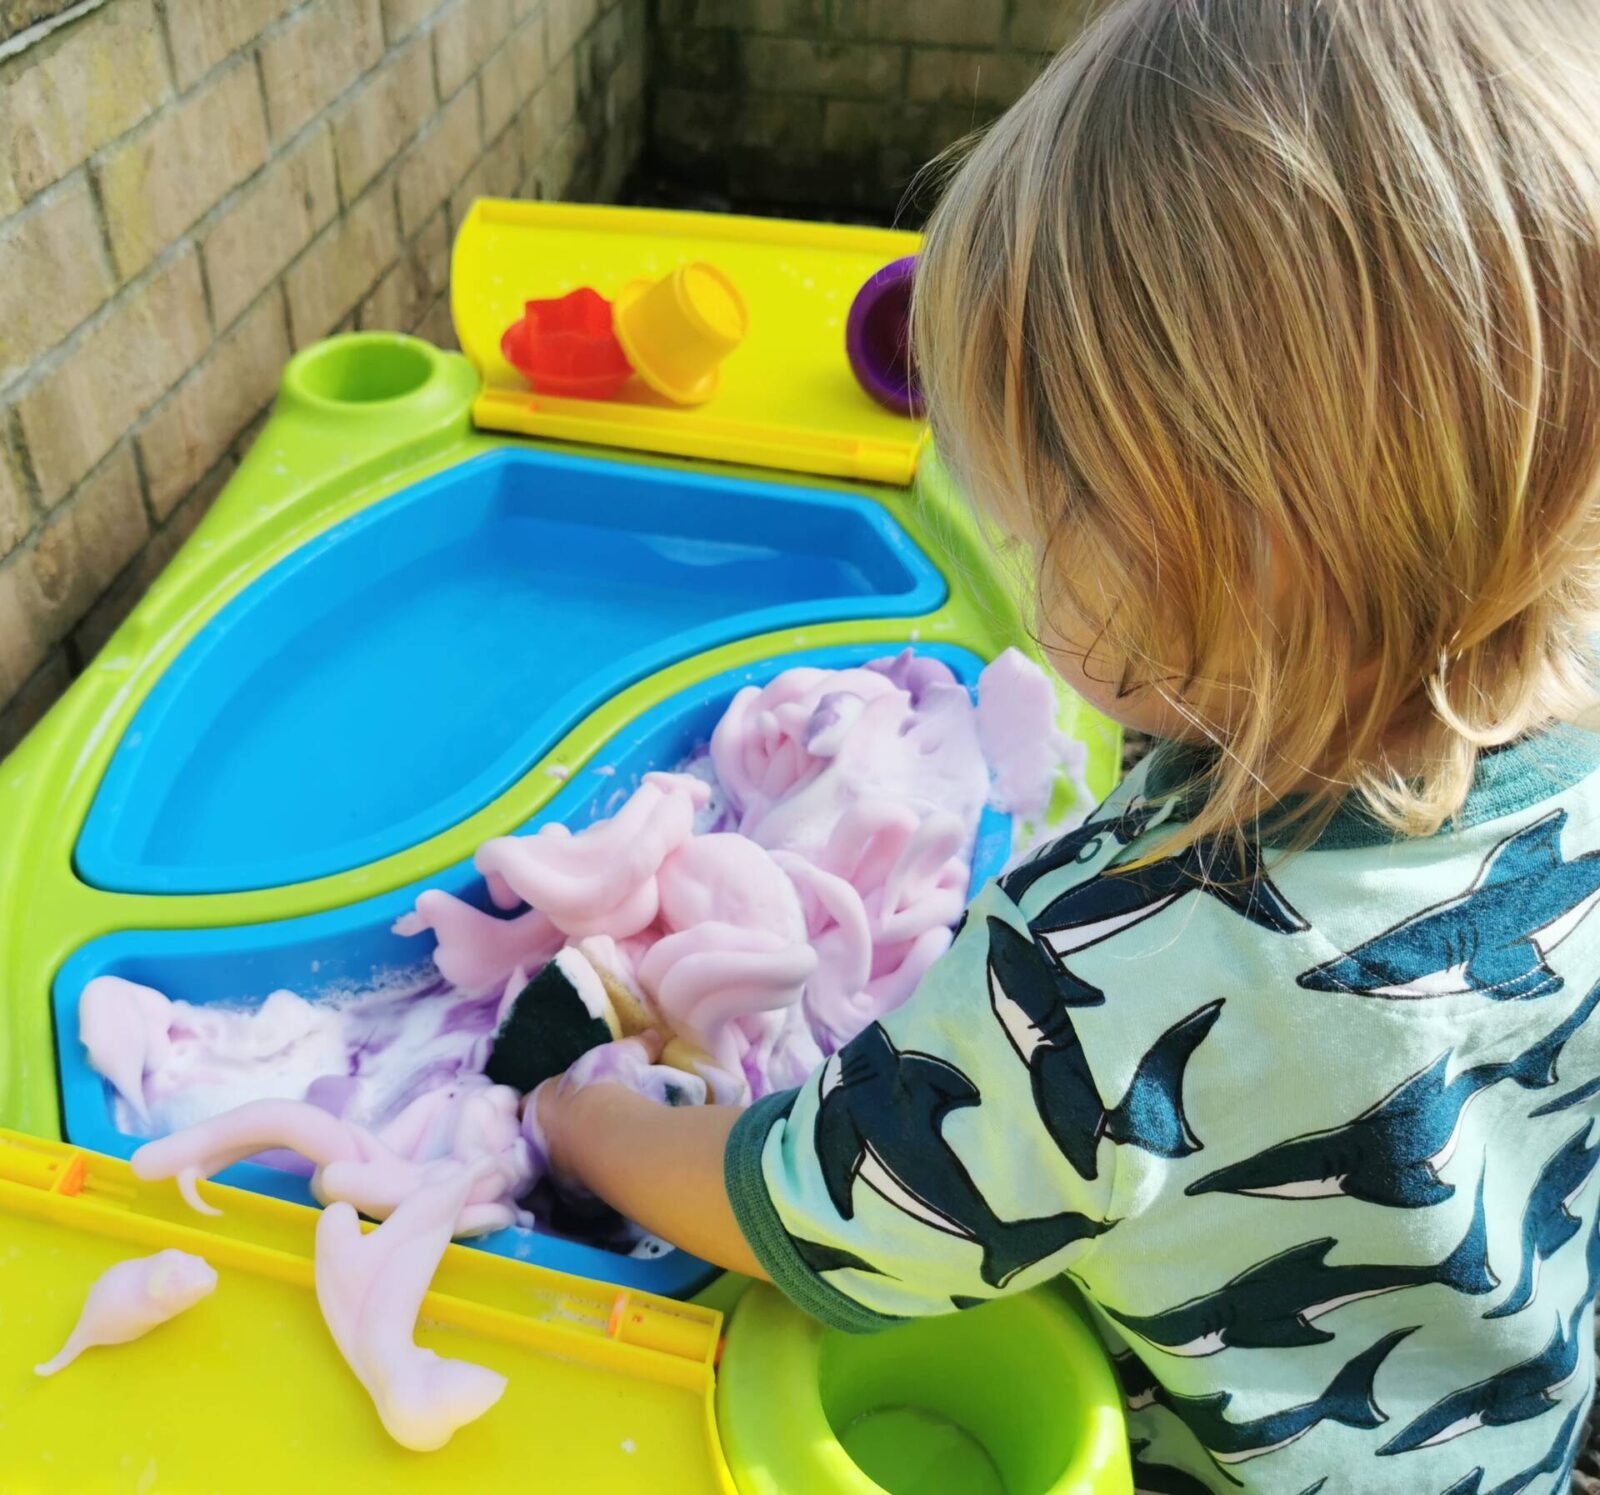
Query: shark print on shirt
point(1586, 1091)
point(1548, 1222)
point(1026, 995)
point(1493, 939)
point(1315, 1139)
point(1079, 846)
point(879, 1121)
point(1556, 1460)
point(1526, 1390)
point(1348, 1399)
point(1161, 1479)
point(1277, 1303)
point(1117, 899)
point(1393, 1152)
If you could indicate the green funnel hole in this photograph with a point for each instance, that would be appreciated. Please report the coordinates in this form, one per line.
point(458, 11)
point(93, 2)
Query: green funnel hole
point(364, 371)
point(986, 1402)
point(912, 1452)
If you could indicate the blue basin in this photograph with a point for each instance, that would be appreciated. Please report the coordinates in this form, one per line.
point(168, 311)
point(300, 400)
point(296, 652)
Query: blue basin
point(353, 947)
point(397, 673)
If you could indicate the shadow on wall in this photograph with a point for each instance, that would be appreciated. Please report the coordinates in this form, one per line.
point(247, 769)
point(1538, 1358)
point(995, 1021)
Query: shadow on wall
point(806, 109)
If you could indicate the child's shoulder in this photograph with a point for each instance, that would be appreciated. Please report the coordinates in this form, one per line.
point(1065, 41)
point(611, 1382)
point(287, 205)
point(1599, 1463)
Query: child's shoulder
point(1458, 934)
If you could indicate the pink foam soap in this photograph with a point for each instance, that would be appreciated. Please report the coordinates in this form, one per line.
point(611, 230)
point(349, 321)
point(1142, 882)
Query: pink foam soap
point(371, 1287)
point(132, 1298)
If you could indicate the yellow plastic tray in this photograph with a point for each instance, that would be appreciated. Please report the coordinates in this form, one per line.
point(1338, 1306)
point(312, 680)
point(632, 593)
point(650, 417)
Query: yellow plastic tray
point(245, 1392)
point(786, 397)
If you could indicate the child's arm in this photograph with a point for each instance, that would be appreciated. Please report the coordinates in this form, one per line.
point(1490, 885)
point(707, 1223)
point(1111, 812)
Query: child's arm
point(913, 1174)
point(661, 1166)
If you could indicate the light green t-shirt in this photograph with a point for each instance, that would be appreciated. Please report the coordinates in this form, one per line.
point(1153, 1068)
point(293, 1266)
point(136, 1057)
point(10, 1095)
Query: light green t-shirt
point(1312, 1134)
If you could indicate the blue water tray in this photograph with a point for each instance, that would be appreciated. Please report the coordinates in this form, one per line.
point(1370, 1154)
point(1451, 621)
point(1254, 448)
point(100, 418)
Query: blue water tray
point(354, 947)
point(397, 673)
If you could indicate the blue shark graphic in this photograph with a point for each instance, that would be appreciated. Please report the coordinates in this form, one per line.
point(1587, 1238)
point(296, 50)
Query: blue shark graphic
point(1526, 1390)
point(1586, 1091)
point(1277, 1303)
point(1393, 1152)
point(1139, 1387)
point(1548, 1222)
point(1079, 846)
point(1557, 1459)
point(1117, 899)
point(1162, 1479)
point(1026, 994)
point(1494, 939)
point(879, 1121)
point(823, 1258)
point(1348, 1400)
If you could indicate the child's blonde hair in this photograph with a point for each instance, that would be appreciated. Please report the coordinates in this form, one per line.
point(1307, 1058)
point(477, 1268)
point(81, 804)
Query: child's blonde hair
point(1274, 325)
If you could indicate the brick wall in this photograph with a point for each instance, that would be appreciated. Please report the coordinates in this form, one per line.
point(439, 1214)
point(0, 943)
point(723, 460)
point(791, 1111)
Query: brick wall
point(823, 106)
point(192, 189)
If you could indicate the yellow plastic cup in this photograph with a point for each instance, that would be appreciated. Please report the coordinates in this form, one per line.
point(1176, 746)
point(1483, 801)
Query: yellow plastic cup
point(677, 330)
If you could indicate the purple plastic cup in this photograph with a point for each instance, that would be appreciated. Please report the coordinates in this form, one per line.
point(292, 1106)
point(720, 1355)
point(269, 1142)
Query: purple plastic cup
point(877, 338)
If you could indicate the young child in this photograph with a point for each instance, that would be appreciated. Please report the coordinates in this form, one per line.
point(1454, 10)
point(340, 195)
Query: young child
point(1271, 328)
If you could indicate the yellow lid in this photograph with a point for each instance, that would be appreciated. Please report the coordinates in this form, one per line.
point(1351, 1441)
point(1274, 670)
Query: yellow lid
point(767, 299)
point(607, 1390)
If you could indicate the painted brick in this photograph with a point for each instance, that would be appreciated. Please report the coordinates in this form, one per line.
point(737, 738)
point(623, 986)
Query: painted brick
point(430, 170)
point(699, 57)
point(159, 182)
point(688, 125)
point(19, 15)
point(529, 60)
point(776, 65)
point(567, 21)
point(27, 708)
point(117, 371)
point(23, 641)
point(10, 197)
point(206, 32)
point(855, 126)
point(319, 54)
point(498, 83)
point(16, 513)
point(402, 298)
point(783, 123)
point(437, 328)
point(960, 22)
point(333, 275)
point(952, 77)
point(610, 37)
point(402, 17)
point(82, 549)
point(53, 274)
point(91, 82)
point(497, 174)
point(192, 429)
point(372, 129)
point(1045, 25)
point(464, 36)
point(275, 217)
point(750, 16)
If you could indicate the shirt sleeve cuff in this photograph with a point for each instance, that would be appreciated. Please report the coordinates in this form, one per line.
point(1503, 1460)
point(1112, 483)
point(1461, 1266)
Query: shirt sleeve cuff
point(745, 1178)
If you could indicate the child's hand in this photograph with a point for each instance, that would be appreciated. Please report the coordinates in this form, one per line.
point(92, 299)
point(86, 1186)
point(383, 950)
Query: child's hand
point(638, 1134)
point(631, 1063)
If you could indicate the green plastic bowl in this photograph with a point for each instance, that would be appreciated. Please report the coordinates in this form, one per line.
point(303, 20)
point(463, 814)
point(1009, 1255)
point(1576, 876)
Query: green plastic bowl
point(1013, 1398)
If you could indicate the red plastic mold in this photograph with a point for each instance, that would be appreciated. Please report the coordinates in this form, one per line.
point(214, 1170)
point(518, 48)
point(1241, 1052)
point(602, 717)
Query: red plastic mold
point(566, 347)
